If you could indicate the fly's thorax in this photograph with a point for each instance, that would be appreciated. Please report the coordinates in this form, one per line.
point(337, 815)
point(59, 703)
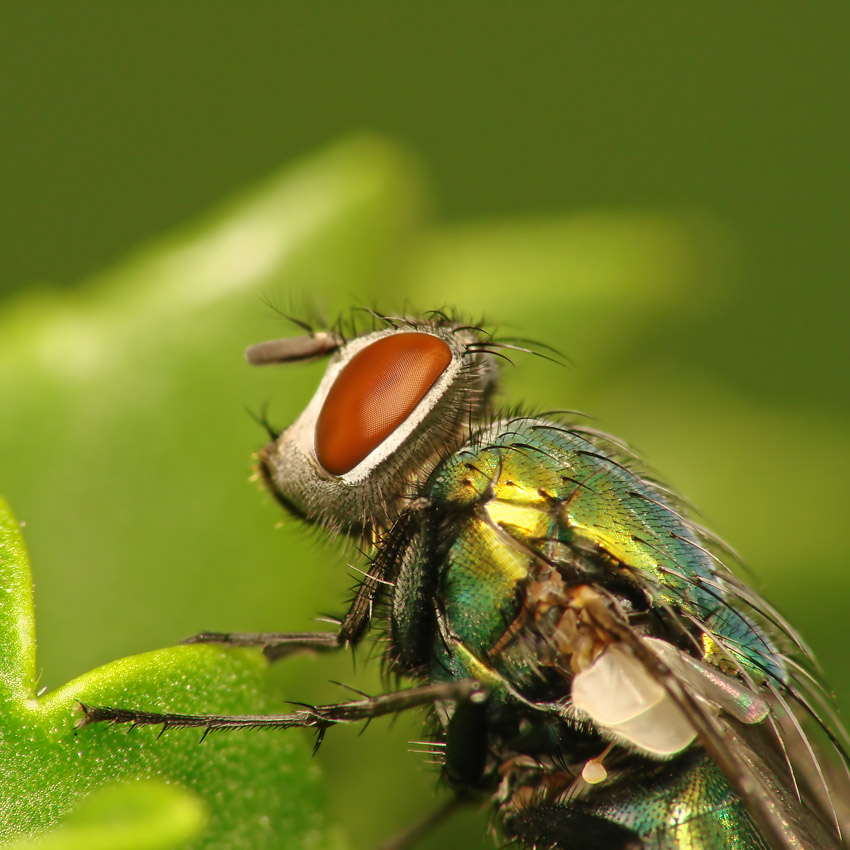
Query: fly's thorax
point(391, 404)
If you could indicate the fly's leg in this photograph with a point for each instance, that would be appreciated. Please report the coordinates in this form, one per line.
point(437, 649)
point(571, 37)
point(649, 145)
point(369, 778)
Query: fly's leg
point(280, 644)
point(275, 645)
point(319, 717)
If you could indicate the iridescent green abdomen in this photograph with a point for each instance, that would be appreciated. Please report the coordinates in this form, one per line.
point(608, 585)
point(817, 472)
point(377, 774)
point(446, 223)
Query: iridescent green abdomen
point(685, 804)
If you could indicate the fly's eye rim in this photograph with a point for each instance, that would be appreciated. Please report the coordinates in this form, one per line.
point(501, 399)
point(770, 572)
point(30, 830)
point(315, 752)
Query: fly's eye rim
point(374, 394)
point(296, 349)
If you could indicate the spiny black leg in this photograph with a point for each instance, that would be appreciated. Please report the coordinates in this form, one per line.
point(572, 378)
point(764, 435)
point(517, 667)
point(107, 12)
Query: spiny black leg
point(278, 645)
point(319, 717)
point(274, 644)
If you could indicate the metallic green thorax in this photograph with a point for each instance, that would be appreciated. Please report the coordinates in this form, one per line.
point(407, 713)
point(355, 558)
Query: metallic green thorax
point(528, 487)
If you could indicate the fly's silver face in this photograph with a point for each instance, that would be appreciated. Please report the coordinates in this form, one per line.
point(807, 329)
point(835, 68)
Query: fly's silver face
point(389, 406)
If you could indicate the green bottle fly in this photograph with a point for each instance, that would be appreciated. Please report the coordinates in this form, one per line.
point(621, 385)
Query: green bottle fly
point(591, 664)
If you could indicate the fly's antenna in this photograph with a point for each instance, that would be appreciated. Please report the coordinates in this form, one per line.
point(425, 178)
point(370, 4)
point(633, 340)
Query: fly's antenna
point(294, 349)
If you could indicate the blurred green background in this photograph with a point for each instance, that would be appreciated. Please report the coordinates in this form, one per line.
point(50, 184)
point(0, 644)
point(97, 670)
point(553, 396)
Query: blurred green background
point(659, 190)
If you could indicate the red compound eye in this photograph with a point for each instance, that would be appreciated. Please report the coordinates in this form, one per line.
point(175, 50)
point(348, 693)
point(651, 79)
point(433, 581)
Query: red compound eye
point(373, 394)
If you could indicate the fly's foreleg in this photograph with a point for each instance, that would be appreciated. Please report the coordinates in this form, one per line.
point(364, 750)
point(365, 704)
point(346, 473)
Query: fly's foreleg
point(275, 645)
point(318, 717)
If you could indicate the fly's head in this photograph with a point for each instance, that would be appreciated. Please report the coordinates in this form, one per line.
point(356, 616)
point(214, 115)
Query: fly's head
point(391, 404)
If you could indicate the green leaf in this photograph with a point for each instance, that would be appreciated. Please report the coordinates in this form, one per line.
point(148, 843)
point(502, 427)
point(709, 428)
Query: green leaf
point(256, 789)
point(17, 618)
point(143, 815)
